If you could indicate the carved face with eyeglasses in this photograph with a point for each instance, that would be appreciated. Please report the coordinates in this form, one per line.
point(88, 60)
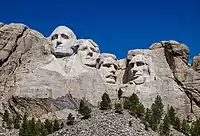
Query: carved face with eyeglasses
point(63, 41)
point(108, 67)
point(138, 69)
point(88, 51)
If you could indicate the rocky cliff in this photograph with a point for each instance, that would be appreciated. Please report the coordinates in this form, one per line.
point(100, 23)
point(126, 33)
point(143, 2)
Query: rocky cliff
point(47, 77)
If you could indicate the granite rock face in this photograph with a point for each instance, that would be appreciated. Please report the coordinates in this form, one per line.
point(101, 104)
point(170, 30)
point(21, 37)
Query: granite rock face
point(159, 80)
point(177, 56)
point(196, 63)
point(32, 76)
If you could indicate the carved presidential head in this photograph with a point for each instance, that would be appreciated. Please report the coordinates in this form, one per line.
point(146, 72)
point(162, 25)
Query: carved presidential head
point(138, 69)
point(63, 41)
point(88, 51)
point(108, 67)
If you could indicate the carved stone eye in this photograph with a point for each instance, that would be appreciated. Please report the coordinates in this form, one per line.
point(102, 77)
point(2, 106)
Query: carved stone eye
point(84, 48)
point(93, 49)
point(116, 67)
point(107, 65)
point(140, 63)
point(55, 36)
point(132, 65)
point(64, 36)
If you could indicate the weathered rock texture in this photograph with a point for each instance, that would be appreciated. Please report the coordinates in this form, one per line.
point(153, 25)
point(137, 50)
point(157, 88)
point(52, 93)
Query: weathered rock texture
point(106, 123)
point(161, 81)
point(196, 63)
point(34, 80)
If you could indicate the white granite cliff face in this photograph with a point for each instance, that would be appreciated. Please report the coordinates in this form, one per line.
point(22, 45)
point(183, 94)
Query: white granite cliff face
point(36, 73)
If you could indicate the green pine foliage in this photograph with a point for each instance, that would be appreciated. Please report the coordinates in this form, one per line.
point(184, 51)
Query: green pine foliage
point(62, 125)
point(105, 104)
point(140, 110)
point(185, 127)
point(56, 125)
point(6, 116)
point(134, 106)
point(48, 126)
point(177, 123)
point(43, 130)
point(157, 112)
point(166, 125)
point(195, 128)
point(70, 119)
point(24, 130)
point(120, 92)
point(9, 123)
point(38, 128)
point(172, 115)
point(17, 122)
point(118, 108)
point(84, 110)
point(148, 115)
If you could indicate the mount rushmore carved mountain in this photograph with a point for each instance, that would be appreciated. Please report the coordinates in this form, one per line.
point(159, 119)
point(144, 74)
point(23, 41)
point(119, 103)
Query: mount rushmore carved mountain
point(47, 77)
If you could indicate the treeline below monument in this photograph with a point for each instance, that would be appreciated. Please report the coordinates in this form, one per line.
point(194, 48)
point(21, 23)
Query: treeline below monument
point(154, 118)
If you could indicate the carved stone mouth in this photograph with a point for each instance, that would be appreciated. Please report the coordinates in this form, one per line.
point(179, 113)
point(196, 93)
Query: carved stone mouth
point(136, 76)
point(89, 58)
point(112, 77)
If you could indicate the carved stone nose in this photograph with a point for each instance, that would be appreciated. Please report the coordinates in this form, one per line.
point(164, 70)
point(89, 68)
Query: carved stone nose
point(58, 43)
point(113, 72)
point(90, 54)
point(134, 71)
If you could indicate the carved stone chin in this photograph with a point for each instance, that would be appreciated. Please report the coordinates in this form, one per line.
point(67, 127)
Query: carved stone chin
point(88, 51)
point(108, 67)
point(63, 41)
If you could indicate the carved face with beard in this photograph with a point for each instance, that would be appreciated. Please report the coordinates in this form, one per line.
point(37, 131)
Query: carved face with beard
point(63, 41)
point(108, 67)
point(88, 51)
point(138, 69)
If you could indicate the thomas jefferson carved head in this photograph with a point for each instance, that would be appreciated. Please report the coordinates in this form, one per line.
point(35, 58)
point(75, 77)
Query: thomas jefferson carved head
point(63, 41)
point(88, 51)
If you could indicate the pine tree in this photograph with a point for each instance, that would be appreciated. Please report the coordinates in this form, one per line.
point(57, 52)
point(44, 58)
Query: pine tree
point(118, 108)
point(166, 125)
point(24, 130)
point(157, 111)
point(9, 123)
point(195, 129)
point(56, 125)
point(147, 115)
point(140, 110)
point(172, 115)
point(120, 92)
point(38, 127)
point(48, 125)
point(185, 127)
point(32, 127)
point(105, 104)
point(43, 130)
point(130, 123)
point(133, 105)
point(161, 129)
point(177, 123)
point(62, 125)
point(17, 122)
point(70, 119)
point(6, 116)
point(84, 110)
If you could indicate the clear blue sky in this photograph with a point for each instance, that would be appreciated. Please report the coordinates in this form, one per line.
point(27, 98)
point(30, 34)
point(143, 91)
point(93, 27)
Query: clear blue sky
point(115, 25)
